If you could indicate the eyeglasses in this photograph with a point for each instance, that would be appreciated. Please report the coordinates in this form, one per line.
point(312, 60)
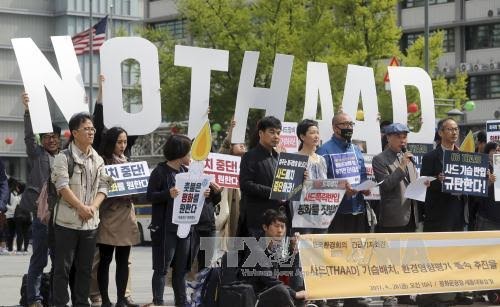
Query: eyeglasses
point(452, 129)
point(87, 129)
point(50, 136)
point(347, 124)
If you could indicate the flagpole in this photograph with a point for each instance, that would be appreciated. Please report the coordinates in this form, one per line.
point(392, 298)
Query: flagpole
point(91, 39)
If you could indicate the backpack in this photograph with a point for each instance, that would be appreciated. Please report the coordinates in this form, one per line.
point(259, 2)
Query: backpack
point(208, 284)
point(48, 197)
point(237, 294)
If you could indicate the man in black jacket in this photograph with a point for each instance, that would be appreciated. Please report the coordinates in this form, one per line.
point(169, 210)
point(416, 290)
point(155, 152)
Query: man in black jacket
point(443, 211)
point(41, 159)
point(256, 177)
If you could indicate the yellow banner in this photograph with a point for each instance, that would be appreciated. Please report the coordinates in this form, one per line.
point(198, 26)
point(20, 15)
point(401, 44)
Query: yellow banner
point(356, 265)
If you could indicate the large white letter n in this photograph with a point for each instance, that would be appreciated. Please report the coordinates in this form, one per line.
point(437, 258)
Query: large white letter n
point(37, 73)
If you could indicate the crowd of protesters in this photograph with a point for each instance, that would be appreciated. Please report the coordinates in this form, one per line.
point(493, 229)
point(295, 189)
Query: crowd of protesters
point(84, 228)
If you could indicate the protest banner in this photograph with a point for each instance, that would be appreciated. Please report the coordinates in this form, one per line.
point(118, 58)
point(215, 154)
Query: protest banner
point(496, 171)
point(465, 173)
point(418, 151)
point(68, 91)
point(288, 137)
point(493, 131)
point(225, 169)
point(129, 178)
point(288, 176)
point(319, 202)
point(347, 265)
point(189, 203)
point(375, 192)
point(345, 166)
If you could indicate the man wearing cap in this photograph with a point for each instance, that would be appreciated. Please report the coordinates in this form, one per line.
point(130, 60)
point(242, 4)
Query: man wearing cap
point(395, 169)
point(41, 159)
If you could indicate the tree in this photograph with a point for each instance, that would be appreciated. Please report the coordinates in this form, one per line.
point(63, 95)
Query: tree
point(453, 89)
point(337, 32)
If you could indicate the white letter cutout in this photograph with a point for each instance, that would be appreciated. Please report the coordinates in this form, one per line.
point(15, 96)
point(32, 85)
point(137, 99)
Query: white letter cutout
point(360, 80)
point(416, 76)
point(318, 84)
point(37, 73)
point(272, 99)
point(113, 52)
point(202, 61)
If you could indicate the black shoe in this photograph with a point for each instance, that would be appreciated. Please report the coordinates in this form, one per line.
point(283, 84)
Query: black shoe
point(106, 304)
point(127, 302)
point(406, 300)
point(463, 300)
point(355, 302)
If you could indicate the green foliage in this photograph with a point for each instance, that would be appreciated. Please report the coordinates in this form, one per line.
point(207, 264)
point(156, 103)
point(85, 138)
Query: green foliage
point(336, 32)
point(446, 89)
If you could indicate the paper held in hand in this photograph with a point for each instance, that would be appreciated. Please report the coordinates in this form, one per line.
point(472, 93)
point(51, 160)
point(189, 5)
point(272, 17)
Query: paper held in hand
point(417, 189)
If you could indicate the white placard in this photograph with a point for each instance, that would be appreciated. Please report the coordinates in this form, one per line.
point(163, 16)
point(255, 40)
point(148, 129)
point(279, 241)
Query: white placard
point(496, 171)
point(319, 202)
point(288, 137)
point(189, 203)
point(202, 61)
point(113, 52)
point(318, 86)
point(361, 82)
point(38, 74)
point(415, 76)
point(493, 131)
point(272, 99)
point(224, 168)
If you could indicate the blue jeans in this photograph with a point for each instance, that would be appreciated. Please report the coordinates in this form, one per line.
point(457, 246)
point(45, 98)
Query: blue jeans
point(38, 261)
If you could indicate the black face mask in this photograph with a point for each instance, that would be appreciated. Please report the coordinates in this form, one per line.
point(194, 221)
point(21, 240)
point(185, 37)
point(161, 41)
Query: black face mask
point(346, 134)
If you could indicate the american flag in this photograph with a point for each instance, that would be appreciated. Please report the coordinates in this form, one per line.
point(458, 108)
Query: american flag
point(81, 41)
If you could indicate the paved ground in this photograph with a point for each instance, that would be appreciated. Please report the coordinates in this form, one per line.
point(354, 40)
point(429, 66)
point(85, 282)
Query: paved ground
point(13, 267)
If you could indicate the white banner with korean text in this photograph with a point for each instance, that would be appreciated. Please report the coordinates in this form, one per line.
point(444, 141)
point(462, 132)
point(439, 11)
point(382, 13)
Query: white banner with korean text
point(225, 168)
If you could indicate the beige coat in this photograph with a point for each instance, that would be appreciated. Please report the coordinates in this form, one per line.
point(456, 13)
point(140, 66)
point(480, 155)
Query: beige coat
point(66, 215)
point(118, 225)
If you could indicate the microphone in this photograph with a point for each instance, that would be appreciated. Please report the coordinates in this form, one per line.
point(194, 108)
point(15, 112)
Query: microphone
point(403, 150)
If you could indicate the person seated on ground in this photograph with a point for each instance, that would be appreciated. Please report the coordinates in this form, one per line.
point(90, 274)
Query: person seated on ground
point(267, 286)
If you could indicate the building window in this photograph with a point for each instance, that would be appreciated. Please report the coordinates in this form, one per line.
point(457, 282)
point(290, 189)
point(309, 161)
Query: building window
point(417, 3)
point(448, 41)
point(482, 36)
point(484, 86)
point(176, 27)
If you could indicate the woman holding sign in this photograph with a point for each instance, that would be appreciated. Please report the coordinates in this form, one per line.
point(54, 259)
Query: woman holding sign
point(168, 249)
point(118, 229)
point(309, 138)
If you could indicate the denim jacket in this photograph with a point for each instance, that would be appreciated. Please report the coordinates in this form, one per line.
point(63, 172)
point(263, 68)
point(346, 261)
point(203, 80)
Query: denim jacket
point(336, 145)
point(65, 215)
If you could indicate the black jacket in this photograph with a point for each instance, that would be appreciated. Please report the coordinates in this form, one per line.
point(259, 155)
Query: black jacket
point(256, 178)
point(488, 208)
point(207, 217)
point(443, 211)
point(162, 179)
